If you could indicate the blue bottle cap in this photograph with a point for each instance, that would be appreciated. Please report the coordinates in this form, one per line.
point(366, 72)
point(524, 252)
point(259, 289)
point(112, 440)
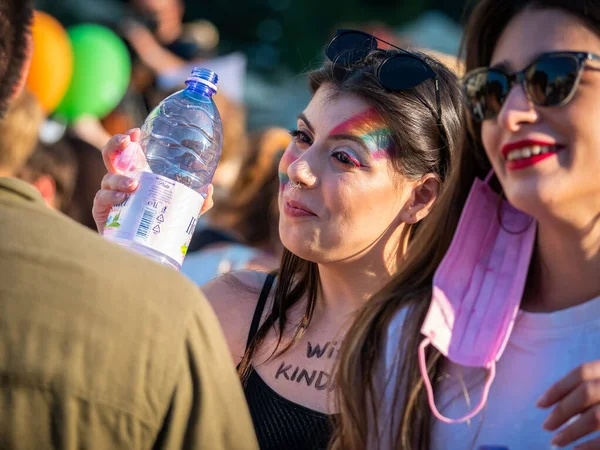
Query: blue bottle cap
point(204, 76)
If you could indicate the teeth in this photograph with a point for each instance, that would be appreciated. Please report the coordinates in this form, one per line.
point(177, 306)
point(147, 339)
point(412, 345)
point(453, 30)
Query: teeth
point(527, 152)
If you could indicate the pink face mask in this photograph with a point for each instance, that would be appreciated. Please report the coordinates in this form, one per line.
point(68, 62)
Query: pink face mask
point(478, 286)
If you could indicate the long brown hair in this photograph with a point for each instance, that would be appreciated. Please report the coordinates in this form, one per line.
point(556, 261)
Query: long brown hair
point(419, 149)
point(359, 377)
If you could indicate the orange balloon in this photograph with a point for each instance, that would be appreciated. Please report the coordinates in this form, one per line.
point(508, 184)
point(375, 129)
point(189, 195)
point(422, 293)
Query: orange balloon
point(52, 63)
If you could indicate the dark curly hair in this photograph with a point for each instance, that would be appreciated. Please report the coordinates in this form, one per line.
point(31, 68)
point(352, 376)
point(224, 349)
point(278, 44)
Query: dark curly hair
point(15, 22)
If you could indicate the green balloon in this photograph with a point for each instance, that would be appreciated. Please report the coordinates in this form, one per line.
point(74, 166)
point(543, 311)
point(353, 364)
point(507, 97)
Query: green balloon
point(101, 72)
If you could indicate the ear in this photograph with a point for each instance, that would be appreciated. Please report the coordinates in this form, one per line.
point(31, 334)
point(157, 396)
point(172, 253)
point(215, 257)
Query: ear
point(20, 85)
point(47, 187)
point(424, 194)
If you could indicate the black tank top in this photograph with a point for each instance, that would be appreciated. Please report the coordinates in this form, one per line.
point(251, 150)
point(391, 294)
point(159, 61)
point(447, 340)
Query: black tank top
point(279, 423)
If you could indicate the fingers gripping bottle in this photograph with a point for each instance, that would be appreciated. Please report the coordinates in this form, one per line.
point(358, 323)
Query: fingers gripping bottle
point(181, 140)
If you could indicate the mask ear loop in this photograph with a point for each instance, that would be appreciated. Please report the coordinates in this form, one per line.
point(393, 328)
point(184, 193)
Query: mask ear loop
point(431, 397)
point(502, 198)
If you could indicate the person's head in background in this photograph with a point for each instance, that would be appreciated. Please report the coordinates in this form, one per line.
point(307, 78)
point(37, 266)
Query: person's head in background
point(89, 173)
point(52, 169)
point(16, 48)
point(251, 210)
point(166, 17)
point(19, 131)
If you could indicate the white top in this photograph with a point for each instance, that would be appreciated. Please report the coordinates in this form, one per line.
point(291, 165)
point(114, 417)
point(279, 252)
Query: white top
point(541, 350)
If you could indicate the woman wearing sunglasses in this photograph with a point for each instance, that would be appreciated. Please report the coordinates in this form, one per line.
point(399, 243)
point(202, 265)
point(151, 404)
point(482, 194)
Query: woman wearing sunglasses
point(366, 164)
point(489, 334)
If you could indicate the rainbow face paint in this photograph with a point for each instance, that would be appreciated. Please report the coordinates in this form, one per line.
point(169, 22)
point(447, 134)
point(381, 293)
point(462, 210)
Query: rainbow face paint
point(371, 129)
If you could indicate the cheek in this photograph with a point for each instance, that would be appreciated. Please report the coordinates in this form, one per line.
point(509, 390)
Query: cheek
point(491, 139)
point(362, 205)
point(578, 124)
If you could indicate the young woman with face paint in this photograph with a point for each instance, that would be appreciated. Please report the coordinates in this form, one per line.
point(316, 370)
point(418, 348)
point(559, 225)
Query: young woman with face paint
point(499, 308)
point(368, 159)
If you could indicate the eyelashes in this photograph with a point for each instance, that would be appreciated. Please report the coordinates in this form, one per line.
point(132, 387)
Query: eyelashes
point(302, 139)
point(345, 158)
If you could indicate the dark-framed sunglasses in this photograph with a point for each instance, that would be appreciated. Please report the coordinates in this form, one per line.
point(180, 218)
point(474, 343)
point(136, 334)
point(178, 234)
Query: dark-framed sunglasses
point(550, 80)
point(400, 71)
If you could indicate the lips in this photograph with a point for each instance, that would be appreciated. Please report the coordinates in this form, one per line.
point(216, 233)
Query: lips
point(297, 209)
point(526, 153)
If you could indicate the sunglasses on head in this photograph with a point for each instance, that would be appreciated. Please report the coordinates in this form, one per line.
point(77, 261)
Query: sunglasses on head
point(400, 71)
point(550, 80)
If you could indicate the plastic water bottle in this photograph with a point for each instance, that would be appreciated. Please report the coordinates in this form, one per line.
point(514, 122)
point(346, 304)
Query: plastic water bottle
point(174, 161)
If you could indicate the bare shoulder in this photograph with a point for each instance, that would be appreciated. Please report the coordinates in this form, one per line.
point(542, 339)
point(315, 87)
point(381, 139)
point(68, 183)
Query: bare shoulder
point(234, 297)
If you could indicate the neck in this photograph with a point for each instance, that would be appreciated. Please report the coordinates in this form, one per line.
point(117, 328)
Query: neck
point(564, 271)
point(345, 289)
point(347, 285)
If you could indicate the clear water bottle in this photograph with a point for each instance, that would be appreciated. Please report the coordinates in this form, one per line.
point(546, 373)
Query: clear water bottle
point(174, 161)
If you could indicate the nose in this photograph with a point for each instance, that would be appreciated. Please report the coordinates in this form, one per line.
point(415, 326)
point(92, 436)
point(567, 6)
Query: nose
point(301, 170)
point(517, 110)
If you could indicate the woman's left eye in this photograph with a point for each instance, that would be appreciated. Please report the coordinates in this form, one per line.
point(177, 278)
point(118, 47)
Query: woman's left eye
point(346, 159)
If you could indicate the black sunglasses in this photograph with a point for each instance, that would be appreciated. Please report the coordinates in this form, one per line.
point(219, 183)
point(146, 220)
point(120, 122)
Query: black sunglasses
point(400, 71)
point(550, 80)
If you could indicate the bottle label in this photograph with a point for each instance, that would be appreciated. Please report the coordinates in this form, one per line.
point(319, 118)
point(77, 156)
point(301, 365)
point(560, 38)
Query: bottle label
point(161, 214)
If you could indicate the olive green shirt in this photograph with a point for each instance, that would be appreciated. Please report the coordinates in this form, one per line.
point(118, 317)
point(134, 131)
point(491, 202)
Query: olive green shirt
point(103, 349)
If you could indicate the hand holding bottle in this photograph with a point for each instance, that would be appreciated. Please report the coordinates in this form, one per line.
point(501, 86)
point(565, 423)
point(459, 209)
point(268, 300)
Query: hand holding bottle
point(119, 159)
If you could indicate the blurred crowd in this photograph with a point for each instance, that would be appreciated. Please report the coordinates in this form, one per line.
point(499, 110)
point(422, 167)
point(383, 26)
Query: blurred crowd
point(60, 134)
point(73, 105)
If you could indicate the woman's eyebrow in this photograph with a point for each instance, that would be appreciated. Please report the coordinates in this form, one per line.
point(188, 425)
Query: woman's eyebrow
point(351, 137)
point(303, 118)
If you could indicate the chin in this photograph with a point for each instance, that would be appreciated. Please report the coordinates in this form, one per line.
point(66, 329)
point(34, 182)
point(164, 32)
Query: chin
point(298, 245)
point(535, 199)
